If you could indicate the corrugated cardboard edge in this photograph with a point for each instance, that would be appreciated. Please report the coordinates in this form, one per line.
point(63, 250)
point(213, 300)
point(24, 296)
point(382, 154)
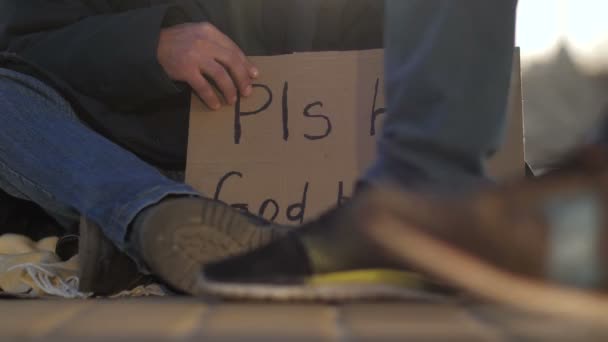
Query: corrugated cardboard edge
point(510, 162)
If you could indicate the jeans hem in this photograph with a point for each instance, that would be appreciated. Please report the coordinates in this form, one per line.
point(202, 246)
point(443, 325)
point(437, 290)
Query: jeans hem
point(124, 215)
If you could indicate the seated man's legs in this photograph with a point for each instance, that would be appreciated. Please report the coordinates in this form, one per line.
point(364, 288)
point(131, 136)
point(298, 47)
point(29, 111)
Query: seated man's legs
point(49, 157)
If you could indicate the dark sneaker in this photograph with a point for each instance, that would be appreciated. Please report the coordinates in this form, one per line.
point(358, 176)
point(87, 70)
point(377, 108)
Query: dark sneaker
point(329, 259)
point(103, 269)
point(178, 236)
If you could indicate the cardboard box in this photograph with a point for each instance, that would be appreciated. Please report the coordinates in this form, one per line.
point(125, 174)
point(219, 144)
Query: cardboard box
point(294, 148)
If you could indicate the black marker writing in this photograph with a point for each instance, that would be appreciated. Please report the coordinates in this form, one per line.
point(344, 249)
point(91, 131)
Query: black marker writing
point(264, 206)
point(341, 198)
point(238, 114)
point(285, 111)
point(375, 112)
point(220, 185)
point(327, 121)
point(299, 207)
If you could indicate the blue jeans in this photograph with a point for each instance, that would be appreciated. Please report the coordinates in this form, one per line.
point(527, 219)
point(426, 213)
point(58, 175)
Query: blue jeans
point(49, 157)
point(448, 68)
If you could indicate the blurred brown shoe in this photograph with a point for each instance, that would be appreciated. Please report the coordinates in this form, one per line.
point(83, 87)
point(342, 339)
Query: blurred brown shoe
point(535, 244)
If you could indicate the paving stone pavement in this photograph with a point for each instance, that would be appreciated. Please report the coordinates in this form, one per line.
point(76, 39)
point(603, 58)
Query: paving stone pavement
point(183, 319)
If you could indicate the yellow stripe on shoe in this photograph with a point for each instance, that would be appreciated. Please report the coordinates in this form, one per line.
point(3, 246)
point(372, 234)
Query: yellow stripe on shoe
point(369, 277)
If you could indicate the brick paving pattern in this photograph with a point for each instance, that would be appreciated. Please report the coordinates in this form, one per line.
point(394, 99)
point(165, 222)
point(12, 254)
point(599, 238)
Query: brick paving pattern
point(183, 319)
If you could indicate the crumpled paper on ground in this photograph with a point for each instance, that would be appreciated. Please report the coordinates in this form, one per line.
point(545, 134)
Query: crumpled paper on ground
point(32, 269)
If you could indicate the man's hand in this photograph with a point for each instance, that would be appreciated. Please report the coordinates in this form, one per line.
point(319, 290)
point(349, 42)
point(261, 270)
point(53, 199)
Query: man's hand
point(188, 52)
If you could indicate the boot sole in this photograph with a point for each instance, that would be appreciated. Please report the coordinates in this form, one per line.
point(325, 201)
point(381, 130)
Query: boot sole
point(178, 253)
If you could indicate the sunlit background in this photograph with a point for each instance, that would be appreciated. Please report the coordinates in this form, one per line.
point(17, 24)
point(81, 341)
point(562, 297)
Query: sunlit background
point(581, 24)
point(564, 47)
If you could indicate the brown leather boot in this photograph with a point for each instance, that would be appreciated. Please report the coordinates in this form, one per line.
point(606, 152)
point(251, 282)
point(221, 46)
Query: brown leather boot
point(174, 238)
point(104, 269)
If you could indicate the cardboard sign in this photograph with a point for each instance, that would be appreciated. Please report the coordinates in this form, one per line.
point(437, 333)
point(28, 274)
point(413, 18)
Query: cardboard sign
point(295, 147)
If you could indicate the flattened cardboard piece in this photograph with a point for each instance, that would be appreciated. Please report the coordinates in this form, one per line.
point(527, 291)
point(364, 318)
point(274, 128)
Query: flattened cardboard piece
point(295, 147)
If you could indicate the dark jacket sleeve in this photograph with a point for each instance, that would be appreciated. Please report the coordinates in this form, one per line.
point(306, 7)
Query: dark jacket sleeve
point(107, 55)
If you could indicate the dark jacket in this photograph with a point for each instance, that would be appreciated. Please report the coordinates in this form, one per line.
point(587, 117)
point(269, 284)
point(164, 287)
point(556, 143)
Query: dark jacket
point(101, 55)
